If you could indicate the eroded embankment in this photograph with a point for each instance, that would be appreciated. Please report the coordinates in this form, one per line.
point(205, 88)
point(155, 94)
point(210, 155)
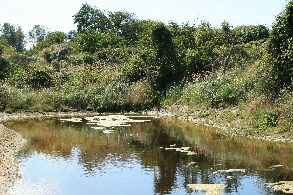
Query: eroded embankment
point(10, 143)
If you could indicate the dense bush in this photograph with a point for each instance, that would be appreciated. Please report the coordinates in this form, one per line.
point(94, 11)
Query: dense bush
point(280, 47)
point(115, 62)
point(40, 79)
point(265, 118)
point(56, 52)
point(4, 68)
point(246, 34)
point(166, 68)
point(50, 39)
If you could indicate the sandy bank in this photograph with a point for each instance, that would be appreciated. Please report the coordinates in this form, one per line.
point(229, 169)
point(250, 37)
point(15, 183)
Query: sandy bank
point(10, 143)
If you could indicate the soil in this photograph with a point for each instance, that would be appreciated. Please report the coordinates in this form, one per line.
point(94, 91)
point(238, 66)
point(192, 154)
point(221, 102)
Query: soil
point(11, 142)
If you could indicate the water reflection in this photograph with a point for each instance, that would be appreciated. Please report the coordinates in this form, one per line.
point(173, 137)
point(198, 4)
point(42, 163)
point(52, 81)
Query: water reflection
point(73, 158)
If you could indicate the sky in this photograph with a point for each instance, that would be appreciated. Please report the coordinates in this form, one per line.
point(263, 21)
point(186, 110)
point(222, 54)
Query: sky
point(57, 14)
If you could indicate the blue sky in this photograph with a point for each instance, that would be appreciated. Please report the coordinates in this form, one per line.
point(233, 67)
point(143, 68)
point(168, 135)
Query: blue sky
point(57, 14)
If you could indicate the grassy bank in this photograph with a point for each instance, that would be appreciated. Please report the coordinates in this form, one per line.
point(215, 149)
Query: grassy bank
point(236, 78)
point(236, 102)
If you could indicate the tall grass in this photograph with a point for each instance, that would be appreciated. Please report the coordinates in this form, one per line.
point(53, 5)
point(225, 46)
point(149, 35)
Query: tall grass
point(84, 88)
point(243, 94)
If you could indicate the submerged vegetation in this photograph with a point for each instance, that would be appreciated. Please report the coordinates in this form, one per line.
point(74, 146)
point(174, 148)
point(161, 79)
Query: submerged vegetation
point(114, 62)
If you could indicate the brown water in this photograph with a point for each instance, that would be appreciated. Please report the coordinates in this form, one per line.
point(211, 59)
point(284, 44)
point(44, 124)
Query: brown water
point(64, 157)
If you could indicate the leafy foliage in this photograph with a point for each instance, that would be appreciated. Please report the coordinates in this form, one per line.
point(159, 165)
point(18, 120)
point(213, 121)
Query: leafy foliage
point(40, 79)
point(91, 17)
point(52, 38)
point(280, 46)
point(166, 67)
point(266, 118)
point(116, 62)
point(56, 52)
point(38, 33)
point(14, 35)
point(246, 34)
point(91, 41)
point(4, 68)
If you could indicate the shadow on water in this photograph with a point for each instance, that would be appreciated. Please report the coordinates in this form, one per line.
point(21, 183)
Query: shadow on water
point(73, 158)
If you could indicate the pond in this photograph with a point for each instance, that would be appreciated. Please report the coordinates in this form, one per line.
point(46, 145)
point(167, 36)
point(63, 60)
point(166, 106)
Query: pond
point(118, 154)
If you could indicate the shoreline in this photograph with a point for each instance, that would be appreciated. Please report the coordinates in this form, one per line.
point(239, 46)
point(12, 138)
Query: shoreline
point(11, 142)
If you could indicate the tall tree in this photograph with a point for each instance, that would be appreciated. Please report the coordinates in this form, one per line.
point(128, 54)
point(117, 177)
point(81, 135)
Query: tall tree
point(71, 35)
point(38, 33)
point(166, 64)
point(3, 44)
point(91, 17)
point(14, 35)
point(280, 46)
point(52, 38)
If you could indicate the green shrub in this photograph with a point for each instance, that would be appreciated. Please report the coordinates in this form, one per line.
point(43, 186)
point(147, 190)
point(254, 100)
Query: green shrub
point(280, 46)
point(135, 69)
point(4, 68)
point(56, 52)
point(174, 93)
point(52, 38)
point(40, 78)
point(246, 34)
point(265, 118)
point(12, 98)
point(166, 69)
point(286, 111)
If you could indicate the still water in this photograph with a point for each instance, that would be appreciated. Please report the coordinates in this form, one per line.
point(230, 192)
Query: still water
point(149, 156)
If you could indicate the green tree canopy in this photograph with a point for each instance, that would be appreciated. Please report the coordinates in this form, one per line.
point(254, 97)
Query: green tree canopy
point(166, 63)
point(91, 17)
point(121, 23)
point(3, 44)
point(245, 34)
point(280, 46)
point(14, 35)
point(52, 38)
point(38, 33)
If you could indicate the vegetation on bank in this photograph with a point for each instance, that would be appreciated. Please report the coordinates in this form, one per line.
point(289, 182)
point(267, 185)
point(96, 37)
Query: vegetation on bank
point(115, 62)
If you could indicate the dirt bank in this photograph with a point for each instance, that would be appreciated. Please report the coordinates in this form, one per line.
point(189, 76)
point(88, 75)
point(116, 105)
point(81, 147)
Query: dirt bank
point(10, 143)
point(231, 126)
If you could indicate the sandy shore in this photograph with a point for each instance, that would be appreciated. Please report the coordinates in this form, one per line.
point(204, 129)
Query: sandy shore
point(11, 142)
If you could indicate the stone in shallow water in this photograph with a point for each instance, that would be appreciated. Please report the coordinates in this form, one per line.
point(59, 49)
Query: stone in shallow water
point(275, 166)
point(98, 128)
point(229, 171)
point(208, 188)
point(284, 186)
point(74, 120)
point(114, 120)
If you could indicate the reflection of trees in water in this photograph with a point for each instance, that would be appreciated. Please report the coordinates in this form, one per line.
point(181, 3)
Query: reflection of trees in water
point(166, 165)
point(170, 168)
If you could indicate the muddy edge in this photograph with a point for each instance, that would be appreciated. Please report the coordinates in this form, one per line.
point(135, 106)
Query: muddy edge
point(11, 142)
